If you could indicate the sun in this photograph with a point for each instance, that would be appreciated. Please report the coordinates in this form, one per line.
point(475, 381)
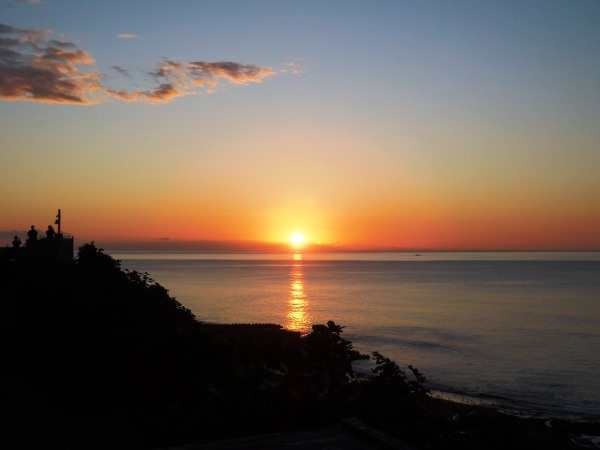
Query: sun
point(297, 239)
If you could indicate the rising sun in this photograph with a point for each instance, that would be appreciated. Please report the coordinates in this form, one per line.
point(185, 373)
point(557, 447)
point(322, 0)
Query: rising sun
point(297, 238)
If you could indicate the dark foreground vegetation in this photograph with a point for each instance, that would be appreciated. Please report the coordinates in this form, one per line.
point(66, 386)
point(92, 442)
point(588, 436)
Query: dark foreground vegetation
point(97, 357)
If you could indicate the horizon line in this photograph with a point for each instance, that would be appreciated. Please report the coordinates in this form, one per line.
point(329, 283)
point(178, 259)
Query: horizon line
point(242, 246)
point(254, 246)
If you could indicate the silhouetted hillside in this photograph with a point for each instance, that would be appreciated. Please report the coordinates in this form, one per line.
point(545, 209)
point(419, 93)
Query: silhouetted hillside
point(89, 344)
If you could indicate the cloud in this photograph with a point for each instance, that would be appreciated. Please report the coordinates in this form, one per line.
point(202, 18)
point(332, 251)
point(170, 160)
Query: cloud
point(209, 73)
point(121, 71)
point(127, 36)
point(291, 67)
point(10, 234)
point(177, 79)
point(163, 93)
point(34, 67)
point(17, 2)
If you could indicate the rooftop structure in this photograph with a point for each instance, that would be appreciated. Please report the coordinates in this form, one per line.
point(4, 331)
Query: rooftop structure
point(53, 249)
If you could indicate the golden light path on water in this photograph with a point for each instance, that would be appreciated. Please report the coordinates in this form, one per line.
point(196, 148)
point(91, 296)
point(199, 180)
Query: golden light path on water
point(298, 317)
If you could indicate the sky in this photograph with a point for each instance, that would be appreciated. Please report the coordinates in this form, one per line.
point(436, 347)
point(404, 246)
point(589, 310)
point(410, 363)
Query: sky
point(463, 125)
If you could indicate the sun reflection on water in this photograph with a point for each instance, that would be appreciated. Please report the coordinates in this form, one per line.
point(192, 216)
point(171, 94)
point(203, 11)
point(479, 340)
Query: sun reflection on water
point(298, 316)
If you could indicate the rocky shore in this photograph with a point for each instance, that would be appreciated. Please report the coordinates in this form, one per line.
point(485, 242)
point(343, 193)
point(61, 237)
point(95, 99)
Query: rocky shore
point(96, 357)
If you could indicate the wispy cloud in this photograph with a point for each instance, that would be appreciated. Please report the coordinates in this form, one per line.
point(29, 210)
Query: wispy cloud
point(17, 2)
point(177, 79)
point(34, 67)
point(127, 36)
point(121, 71)
point(163, 93)
point(291, 67)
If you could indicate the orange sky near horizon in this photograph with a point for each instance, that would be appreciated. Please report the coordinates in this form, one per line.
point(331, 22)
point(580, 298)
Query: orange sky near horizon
point(367, 229)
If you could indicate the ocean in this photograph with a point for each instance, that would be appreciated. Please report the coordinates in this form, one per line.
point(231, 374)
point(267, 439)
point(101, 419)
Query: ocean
point(519, 330)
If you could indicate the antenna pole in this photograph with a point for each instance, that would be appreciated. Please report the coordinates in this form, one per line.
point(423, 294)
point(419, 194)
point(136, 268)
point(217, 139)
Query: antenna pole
point(57, 221)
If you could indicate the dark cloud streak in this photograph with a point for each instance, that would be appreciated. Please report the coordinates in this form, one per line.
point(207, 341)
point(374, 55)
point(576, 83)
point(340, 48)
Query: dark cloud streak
point(121, 71)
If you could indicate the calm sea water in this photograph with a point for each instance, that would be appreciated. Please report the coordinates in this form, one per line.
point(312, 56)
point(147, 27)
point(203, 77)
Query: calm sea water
point(521, 330)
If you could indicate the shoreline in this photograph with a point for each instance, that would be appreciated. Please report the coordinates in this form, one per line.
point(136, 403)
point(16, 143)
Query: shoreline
point(514, 408)
point(504, 404)
point(362, 367)
point(472, 417)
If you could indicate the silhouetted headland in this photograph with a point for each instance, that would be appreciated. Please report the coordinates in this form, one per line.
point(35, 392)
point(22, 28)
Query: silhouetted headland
point(96, 357)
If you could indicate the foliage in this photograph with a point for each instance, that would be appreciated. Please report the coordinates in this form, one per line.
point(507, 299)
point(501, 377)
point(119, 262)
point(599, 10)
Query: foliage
point(134, 294)
point(391, 374)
